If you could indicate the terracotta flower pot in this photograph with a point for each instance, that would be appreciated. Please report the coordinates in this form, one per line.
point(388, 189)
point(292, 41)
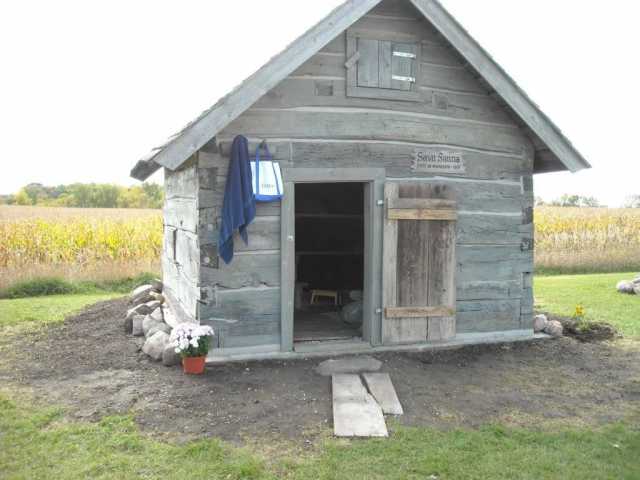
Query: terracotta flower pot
point(193, 365)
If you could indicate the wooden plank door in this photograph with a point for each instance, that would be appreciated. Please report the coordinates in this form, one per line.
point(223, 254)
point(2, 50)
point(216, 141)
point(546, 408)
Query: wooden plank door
point(419, 289)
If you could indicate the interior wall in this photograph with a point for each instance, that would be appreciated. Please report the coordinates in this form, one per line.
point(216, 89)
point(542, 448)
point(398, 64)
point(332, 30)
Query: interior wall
point(330, 235)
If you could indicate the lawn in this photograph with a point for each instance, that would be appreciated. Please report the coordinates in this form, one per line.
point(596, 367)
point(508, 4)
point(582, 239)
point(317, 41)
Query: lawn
point(597, 293)
point(39, 311)
point(38, 443)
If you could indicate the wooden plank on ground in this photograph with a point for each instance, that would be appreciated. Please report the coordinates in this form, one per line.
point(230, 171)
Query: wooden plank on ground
point(380, 386)
point(355, 412)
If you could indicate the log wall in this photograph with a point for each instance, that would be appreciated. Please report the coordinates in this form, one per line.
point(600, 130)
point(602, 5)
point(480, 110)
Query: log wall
point(309, 121)
point(181, 252)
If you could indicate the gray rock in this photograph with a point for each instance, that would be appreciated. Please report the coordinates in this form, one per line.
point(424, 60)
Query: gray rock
point(136, 325)
point(128, 325)
point(159, 327)
point(155, 345)
point(157, 296)
point(141, 294)
point(540, 323)
point(625, 287)
point(636, 289)
point(170, 357)
point(152, 305)
point(157, 285)
point(352, 313)
point(554, 328)
point(636, 281)
point(360, 364)
point(148, 323)
point(169, 317)
point(142, 309)
point(157, 314)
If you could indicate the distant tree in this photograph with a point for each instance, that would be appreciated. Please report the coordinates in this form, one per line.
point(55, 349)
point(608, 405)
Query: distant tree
point(91, 195)
point(539, 202)
point(576, 201)
point(633, 201)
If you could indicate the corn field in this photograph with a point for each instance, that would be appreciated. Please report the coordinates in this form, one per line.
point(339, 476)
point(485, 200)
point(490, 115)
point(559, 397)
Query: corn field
point(77, 244)
point(109, 244)
point(580, 240)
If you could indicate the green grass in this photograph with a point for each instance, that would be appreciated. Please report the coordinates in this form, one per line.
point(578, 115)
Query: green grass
point(58, 286)
point(36, 443)
point(40, 311)
point(597, 293)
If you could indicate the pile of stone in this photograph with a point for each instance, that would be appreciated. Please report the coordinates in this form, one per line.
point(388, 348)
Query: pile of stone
point(630, 287)
point(541, 324)
point(151, 320)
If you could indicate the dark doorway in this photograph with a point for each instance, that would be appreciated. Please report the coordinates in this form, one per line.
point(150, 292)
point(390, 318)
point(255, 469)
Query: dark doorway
point(329, 248)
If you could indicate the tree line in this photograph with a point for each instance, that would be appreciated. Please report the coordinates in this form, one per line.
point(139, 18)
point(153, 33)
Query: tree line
point(633, 201)
point(88, 195)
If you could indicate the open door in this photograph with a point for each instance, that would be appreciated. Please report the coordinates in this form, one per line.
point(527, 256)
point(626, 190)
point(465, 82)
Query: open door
point(418, 283)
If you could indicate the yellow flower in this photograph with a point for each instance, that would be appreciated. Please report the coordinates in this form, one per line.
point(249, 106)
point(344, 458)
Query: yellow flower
point(579, 313)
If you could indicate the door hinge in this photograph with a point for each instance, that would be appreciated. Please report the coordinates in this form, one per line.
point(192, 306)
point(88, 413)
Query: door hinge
point(380, 203)
point(378, 311)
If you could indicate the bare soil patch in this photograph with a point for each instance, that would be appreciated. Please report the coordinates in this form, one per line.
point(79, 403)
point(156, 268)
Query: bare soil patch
point(90, 366)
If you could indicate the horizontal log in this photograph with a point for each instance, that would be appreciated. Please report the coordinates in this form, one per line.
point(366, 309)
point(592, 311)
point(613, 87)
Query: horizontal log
point(468, 289)
point(488, 316)
point(487, 229)
point(359, 124)
point(419, 312)
point(492, 263)
point(421, 214)
point(246, 306)
point(304, 92)
point(393, 29)
point(398, 158)
point(448, 78)
point(250, 270)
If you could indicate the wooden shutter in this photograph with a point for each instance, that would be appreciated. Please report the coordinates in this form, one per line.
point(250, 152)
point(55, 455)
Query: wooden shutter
point(368, 63)
point(403, 70)
point(419, 290)
point(382, 69)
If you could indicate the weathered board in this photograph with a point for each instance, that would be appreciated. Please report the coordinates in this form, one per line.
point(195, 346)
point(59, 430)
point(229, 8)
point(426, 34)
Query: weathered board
point(419, 267)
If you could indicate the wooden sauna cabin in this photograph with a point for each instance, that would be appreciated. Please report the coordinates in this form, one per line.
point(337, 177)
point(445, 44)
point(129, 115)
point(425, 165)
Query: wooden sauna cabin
point(407, 157)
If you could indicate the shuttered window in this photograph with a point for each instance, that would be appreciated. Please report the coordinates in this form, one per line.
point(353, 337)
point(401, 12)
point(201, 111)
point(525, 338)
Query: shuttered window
point(382, 69)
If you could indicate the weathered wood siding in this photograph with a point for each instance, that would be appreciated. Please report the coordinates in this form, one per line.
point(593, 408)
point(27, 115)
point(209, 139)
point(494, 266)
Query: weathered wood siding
point(310, 121)
point(181, 252)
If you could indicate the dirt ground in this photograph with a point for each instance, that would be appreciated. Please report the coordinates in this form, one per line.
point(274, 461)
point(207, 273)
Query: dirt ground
point(91, 367)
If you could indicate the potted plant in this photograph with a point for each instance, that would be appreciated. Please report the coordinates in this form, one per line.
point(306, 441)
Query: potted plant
point(191, 342)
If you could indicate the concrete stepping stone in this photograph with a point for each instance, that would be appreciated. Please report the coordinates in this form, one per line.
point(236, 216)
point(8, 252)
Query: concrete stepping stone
point(355, 411)
point(360, 364)
point(380, 386)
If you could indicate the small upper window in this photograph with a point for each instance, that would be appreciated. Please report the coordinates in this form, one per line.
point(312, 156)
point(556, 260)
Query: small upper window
point(382, 69)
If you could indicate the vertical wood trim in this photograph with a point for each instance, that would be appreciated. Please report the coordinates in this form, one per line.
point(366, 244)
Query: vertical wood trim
point(368, 308)
point(288, 266)
point(389, 266)
point(376, 258)
point(372, 261)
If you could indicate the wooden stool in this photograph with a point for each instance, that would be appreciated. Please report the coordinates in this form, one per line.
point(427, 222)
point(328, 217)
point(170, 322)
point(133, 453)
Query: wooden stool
point(324, 293)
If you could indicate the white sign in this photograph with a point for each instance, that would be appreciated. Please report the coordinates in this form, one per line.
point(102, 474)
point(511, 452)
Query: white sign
point(438, 161)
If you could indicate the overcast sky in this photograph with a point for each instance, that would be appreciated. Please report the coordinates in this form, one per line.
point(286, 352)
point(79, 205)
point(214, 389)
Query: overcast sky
point(88, 87)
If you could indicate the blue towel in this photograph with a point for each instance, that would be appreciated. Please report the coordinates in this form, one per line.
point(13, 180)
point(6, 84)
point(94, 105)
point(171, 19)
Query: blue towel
point(239, 206)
